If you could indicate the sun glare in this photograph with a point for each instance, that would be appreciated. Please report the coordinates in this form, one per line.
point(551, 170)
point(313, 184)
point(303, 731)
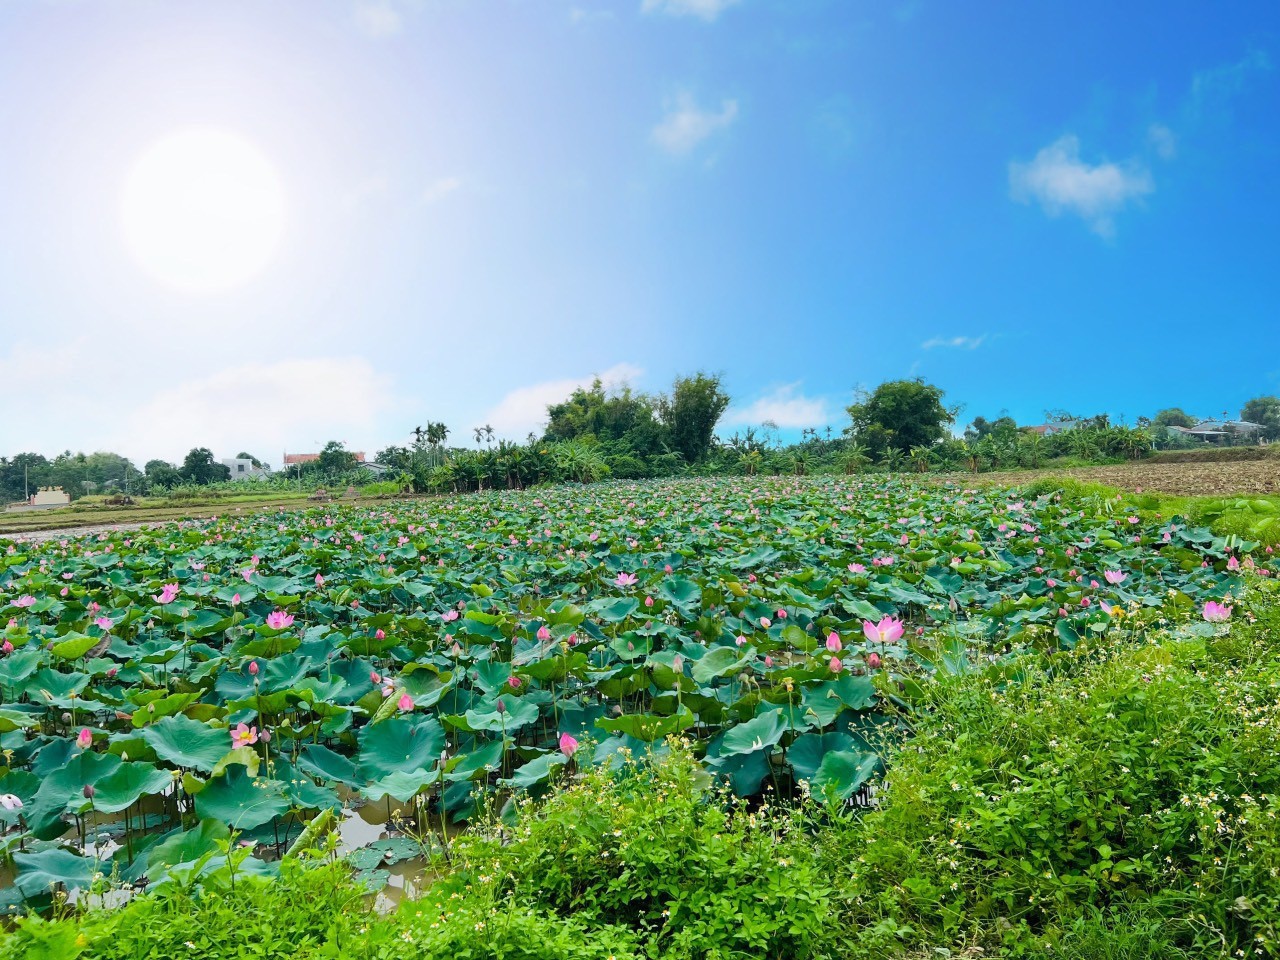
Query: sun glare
point(202, 210)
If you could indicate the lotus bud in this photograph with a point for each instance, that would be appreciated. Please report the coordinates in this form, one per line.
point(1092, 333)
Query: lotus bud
point(253, 668)
point(873, 660)
point(89, 791)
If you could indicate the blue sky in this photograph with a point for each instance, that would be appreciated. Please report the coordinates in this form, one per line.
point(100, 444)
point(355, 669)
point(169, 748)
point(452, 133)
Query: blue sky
point(1051, 205)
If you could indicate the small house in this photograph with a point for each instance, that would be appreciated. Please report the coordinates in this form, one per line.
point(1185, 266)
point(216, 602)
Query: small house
point(242, 468)
point(1226, 431)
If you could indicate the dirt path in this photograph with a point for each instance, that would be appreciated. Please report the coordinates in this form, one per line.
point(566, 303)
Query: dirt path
point(1181, 479)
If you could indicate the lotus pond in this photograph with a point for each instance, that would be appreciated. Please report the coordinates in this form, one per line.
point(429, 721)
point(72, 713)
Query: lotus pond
point(165, 690)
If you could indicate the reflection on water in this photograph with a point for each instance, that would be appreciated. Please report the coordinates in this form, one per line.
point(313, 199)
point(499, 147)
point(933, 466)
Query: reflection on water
point(358, 826)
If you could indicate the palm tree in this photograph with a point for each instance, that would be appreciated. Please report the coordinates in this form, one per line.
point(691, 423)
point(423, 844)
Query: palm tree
point(893, 458)
point(855, 458)
point(921, 459)
point(1033, 444)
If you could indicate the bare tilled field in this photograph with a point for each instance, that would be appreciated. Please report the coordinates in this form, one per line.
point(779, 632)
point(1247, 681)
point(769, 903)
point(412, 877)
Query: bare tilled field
point(1183, 479)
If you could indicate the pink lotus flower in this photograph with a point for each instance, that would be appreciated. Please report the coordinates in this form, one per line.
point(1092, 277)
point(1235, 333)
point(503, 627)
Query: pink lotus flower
point(319, 580)
point(253, 668)
point(513, 682)
point(405, 703)
point(568, 745)
point(625, 580)
point(84, 739)
point(887, 630)
point(279, 620)
point(835, 665)
point(10, 802)
point(244, 736)
point(1233, 563)
point(235, 601)
point(543, 633)
point(449, 616)
point(374, 678)
point(1115, 577)
point(168, 593)
point(648, 601)
point(766, 622)
point(857, 568)
point(1216, 612)
point(873, 660)
point(833, 643)
point(379, 634)
point(104, 624)
point(26, 600)
point(6, 647)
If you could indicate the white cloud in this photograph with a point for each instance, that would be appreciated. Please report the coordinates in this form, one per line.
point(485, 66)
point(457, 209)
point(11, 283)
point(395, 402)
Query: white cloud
point(378, 19)
point(686, 125)
point(1061, 182)
point(785, 406)
point(1210, 89)
point(262, 408)
point(525, 408)
point(1163, 141)
point(958, 343)
point(440, 189)
point(706, 10)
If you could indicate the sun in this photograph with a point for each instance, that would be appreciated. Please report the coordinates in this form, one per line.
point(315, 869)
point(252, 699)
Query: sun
point(203, 210)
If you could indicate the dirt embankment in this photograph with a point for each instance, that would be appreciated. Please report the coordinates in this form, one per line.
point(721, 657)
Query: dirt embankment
point(1180, 479)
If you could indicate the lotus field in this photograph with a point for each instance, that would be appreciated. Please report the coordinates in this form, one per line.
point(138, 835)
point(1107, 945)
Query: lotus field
point(167, 690)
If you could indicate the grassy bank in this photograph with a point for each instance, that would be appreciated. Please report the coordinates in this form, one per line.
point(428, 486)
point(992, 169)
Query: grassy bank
point(1121, 800)
point(103, 513)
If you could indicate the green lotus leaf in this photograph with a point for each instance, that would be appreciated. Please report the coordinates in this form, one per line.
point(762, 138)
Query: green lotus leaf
point(242, 801)
point(468, 766)
point(187, 743)
point(48, 869)
point(518, 712)
point(842, 772)
point(806, 753)
point(127, 784)
point(716, 662)
point(758, 734)
point(404, 785)
point(320, 761)
point(537, 770)
point(399, 744)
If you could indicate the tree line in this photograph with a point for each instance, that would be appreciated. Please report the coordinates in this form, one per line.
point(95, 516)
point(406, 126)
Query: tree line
point(596, 433)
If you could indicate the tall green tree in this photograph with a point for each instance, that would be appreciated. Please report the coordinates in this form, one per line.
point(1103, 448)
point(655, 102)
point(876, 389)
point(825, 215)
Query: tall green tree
point(199, 466)
point(1174, 417)
point(1266, 411)
point(899, 415)
point(335, 459)
point(691, 413)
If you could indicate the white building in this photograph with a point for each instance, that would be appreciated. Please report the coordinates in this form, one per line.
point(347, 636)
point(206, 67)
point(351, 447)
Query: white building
point(243, 469)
